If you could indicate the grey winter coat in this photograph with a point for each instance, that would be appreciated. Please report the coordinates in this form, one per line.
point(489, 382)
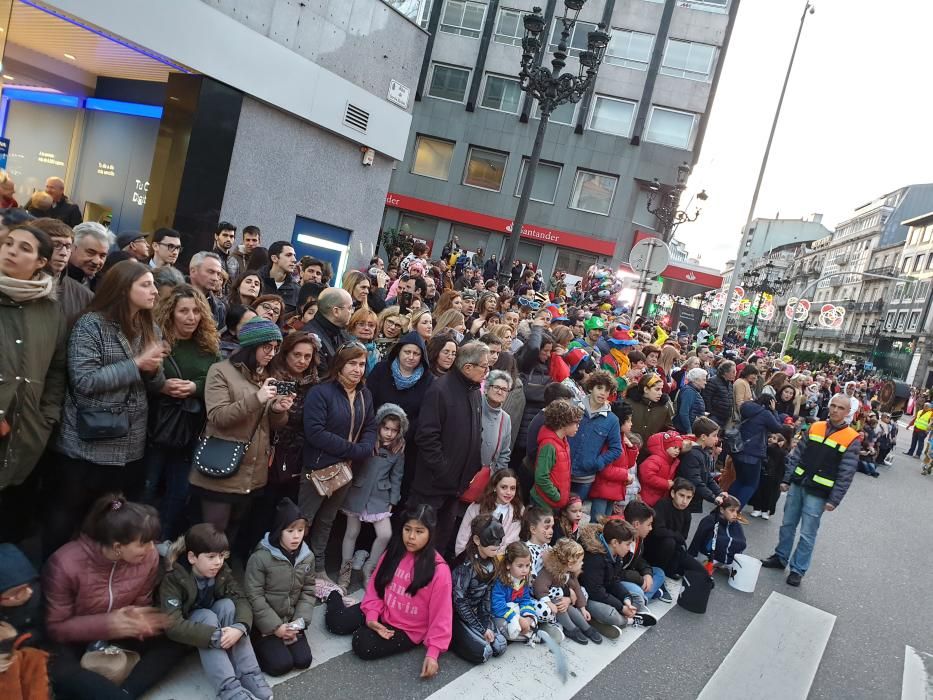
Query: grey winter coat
point(279, 591)
point(102, 374)
point(377, 481)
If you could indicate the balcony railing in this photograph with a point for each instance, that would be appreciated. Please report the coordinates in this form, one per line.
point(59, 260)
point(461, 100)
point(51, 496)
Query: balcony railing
point(869, 305)
point(889, 270)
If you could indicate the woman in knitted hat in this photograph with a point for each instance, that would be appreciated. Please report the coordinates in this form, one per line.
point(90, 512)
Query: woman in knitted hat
point(242, 406)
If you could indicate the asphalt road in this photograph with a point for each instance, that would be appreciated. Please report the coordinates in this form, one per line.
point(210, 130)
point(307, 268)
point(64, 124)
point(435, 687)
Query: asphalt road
point(869, 569)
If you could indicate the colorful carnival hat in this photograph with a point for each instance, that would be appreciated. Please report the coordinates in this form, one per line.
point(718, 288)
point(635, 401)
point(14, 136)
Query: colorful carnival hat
point(621, 336)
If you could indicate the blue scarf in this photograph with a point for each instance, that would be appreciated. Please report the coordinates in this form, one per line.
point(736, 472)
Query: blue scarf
point(402, 383)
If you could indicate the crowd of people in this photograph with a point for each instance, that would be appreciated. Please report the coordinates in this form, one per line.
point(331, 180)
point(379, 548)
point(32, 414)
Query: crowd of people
point(200, 455)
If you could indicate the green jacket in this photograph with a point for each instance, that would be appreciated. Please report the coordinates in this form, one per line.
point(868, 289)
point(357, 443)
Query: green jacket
point(178, 593)
point(278, 591)
point(33, 345)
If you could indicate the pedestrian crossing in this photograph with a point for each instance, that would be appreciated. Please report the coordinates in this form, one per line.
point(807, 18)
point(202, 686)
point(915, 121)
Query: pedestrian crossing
point(918, 675)
point(780, 652)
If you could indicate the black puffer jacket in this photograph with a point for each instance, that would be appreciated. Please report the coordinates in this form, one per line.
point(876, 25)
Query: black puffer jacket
point(696, 466)
point(471, 595)
point(601, 570)
point(384, 390)
point(719, 399)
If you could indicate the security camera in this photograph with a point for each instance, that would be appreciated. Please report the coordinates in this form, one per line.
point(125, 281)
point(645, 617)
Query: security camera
point(369, 155)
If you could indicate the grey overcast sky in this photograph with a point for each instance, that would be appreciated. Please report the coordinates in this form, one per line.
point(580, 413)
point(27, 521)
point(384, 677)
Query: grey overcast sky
point(856, 121)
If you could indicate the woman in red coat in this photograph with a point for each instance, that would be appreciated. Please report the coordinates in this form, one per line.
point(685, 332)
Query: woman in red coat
point(611, 482)
point(656, 474)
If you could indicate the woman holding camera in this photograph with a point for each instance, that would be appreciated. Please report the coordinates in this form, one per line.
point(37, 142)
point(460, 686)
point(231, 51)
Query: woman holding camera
point(242, 406)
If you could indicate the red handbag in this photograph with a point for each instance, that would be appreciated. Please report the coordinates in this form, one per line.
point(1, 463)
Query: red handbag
point(477, 486)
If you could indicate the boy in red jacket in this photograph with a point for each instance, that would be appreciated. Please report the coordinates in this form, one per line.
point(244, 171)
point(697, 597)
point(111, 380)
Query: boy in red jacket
point(552, 466)
point(612, 481)
point(657, 472)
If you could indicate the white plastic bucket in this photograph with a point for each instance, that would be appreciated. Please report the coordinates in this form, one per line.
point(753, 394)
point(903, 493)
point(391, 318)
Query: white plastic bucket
point(745, 573)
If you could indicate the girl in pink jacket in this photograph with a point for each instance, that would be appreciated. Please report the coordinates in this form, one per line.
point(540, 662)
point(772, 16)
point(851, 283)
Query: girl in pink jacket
point(408, 600)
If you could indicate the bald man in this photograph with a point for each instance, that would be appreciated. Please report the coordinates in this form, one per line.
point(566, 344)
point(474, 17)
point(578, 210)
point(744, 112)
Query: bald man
point(334, 308)
point(62, 208)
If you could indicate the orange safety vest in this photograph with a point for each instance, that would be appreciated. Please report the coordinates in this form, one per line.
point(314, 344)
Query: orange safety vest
point(819, 463)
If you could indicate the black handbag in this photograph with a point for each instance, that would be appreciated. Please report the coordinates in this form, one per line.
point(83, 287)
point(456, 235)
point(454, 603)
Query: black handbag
point(219, 458)
point(733, 440)
point(175, 422)
point(694, 596)
point(103, 423)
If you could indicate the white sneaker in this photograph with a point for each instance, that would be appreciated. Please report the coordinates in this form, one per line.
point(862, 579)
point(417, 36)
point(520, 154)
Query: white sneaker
point(756, 513)
point(765, 516)
point(359, 558)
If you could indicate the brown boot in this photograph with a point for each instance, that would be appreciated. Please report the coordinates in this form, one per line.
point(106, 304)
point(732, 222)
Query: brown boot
point(343, 578)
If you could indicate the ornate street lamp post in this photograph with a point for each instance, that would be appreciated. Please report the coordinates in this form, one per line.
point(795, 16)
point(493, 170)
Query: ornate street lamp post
point(760, 281)
point(551, 88)
point(664, 203)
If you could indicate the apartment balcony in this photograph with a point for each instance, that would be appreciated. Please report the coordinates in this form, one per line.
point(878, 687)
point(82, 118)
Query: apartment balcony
point(876, 305)
point(889, 270)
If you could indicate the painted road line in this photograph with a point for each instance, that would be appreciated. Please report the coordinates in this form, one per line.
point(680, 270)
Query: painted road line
point(918, 675)
point(189, 682)
point(496, 679)
point(779, 652)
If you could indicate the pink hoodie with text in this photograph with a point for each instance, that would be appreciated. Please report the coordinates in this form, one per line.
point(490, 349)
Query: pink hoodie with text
point(426, 616)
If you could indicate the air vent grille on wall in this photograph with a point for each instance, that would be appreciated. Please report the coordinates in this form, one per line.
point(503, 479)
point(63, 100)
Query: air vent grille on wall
point(356, 118)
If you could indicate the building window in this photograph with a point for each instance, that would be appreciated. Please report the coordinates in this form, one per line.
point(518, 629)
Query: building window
point(905, 263)
point(463, 17)
point(925, 237)
point(544, 189)
point(449, 82)
point(688, 59)
point(432, 157)
point(564, 114)
point(670, 128)
point(889, 321)
point(509, 27)
point(574, 262)
point(419, 226)
point(898, 291)
point(930, 262)
point(918, 262)
point(901, 321)
point(578, 36)
point(612, 116)
point(501, 94)
point(914, 321)
point(485, 168)
point(593, 192)
point(629, 49)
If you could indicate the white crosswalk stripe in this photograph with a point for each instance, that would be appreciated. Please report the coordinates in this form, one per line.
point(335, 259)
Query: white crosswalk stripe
point(780, 651)
point(918, 675)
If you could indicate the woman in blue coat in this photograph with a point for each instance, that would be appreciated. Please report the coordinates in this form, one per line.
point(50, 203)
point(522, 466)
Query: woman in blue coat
point(690, 403)
point(339, 426)
point(758, 420)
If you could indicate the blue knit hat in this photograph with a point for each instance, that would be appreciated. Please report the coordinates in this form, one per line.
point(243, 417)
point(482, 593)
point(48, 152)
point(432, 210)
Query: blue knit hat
point(15, 568)
point(257, 331)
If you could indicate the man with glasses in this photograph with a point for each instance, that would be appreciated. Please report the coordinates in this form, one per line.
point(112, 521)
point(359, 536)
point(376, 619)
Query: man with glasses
point(496, 449)
point(72, 295)
point(334, 309)
point(166, 245)
point(449, 436)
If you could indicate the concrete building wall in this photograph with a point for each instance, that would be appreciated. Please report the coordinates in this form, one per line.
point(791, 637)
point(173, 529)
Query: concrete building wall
point(282, 168)
point(363, 41)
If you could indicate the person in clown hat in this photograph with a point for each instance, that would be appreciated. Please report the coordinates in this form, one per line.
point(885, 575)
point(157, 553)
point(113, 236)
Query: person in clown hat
point(616, 361)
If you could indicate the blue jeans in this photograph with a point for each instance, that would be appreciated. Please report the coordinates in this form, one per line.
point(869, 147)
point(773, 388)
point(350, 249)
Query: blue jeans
point(173, 466)
point(600, 507)
point(582, 490)
point(806, 509)
point(747, 476)
point(916, 442)
point(635, 592)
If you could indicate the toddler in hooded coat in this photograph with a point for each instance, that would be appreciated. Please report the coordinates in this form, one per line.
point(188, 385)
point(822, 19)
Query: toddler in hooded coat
point(656, 474)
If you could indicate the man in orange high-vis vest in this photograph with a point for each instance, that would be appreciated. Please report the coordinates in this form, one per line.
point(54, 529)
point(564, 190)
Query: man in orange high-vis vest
point(818, 474)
